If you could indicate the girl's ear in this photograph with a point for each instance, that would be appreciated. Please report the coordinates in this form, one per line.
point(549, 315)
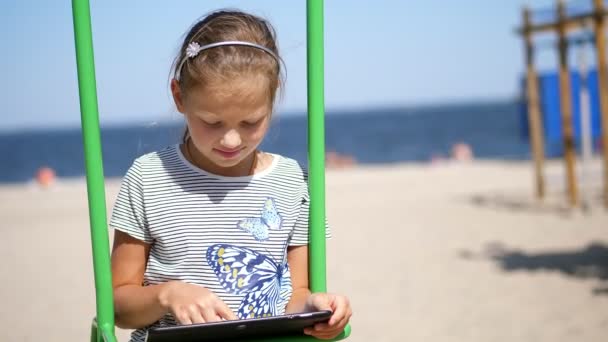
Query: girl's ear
point(177, 95)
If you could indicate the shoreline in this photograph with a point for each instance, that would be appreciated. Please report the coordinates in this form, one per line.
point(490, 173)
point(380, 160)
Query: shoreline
point(552, 163)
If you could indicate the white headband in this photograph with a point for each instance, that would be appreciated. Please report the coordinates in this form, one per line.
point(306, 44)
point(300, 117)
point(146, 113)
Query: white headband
point(194, 49)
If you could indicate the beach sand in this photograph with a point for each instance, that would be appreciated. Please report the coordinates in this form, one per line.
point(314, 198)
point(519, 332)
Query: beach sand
point(447, 252)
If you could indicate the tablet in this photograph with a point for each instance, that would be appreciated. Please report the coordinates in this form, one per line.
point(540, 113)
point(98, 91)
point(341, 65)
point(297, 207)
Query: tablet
point(239, 329)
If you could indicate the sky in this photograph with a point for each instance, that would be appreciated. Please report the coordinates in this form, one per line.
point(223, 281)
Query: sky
point(381, 53)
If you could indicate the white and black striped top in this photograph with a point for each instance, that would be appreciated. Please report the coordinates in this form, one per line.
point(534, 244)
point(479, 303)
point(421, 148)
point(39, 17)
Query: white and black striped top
point(228, 234)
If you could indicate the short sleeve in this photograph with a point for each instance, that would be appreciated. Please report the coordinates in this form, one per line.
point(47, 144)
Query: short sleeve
point(129, 214)
point(300, 234)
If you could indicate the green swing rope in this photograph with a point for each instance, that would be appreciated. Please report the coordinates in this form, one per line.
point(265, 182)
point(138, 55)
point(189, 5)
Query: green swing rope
point(103, 327)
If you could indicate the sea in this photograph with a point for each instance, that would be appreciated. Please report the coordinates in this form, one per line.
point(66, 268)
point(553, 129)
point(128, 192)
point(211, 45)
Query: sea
point(493, 130)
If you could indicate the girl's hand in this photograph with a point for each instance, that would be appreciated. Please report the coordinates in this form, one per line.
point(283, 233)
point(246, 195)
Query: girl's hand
point(341, 309)
point(193, 304)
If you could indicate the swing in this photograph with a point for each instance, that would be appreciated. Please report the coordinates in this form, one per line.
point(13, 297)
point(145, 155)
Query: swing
point(102, 328)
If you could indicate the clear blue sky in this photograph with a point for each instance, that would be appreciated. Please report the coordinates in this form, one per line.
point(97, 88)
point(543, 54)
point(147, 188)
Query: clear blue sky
point(380, 53)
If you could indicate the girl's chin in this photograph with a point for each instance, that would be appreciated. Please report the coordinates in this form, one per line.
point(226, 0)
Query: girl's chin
point(227, 162)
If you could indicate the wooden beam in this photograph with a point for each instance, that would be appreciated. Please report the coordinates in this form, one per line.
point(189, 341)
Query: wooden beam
point(566, 107)
point(534, 115)
point(569, 23)
point(600, 45)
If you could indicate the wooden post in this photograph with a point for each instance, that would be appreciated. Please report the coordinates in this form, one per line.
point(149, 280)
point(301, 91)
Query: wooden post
point(566, 106)
point(534, 117)
point(602, 77)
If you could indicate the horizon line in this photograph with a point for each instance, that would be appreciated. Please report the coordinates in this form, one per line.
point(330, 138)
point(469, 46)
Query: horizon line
point(287, 113)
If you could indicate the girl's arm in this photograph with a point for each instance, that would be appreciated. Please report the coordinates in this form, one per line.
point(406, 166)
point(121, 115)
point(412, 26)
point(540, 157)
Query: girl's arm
point(303, 300)
point(297, 258)
point(135, 305)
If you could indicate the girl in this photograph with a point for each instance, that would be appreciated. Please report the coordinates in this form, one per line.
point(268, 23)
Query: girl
point(213, 228)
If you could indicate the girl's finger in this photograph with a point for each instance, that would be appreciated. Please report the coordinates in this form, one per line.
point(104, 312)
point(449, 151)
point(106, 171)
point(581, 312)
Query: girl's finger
point(326, 334)
point(321, 302)
point(194, 315)
point(347, 315)
point(224, 311)
point(183, 318)
point(210, 316)
point(341, 324)
point(197, 318)
point(340, 311)
point(321, 327)
point(324, 331)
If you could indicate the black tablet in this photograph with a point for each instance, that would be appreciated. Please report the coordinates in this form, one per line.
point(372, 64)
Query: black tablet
point(239, 329)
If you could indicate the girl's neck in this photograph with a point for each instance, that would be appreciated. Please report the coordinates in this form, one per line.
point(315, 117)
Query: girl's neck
point(246, 167)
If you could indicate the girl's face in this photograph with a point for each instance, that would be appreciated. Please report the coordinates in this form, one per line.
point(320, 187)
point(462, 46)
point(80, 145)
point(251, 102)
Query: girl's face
point(227, 126)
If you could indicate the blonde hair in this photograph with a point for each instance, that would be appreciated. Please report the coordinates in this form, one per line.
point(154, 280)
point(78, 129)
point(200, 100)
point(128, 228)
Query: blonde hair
point(214, 67)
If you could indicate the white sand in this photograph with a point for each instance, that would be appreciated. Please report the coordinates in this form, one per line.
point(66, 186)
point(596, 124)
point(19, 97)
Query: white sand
point(412, 247)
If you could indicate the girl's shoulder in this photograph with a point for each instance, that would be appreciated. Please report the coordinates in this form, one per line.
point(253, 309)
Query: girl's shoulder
point(155, 157)
point(158, 162)
point(289, 167)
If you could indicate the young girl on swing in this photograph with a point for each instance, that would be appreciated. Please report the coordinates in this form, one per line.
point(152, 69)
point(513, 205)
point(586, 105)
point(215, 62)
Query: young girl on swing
point(213, 228)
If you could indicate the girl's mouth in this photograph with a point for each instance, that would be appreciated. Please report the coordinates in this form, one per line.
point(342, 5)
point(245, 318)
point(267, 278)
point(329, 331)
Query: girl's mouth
point(228, 154)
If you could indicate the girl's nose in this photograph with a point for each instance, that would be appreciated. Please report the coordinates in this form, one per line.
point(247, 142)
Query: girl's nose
point(232, 139)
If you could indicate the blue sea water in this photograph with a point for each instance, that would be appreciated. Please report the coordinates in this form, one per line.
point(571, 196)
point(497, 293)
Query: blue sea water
point(493, 130)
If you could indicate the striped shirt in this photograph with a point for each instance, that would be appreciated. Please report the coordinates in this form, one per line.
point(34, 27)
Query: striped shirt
point(228, 234)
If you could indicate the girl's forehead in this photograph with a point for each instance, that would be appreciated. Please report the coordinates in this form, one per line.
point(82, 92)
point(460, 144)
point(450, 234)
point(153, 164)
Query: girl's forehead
point(230, 102)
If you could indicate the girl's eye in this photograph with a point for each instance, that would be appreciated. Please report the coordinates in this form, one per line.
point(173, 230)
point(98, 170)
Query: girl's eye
point(252, 124)
point(212, 124)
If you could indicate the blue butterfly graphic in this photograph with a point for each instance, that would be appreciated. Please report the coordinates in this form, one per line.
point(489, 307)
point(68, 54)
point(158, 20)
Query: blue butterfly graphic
point(266, 284)
point(259, 227)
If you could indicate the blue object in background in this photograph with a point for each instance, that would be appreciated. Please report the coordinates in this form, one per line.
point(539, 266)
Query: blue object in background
point(550, 107)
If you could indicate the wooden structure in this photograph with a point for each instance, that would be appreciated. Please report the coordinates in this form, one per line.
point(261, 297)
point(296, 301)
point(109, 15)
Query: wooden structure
point(561, 23)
